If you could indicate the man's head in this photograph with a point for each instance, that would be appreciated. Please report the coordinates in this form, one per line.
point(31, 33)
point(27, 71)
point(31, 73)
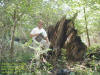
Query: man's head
point(40, 24)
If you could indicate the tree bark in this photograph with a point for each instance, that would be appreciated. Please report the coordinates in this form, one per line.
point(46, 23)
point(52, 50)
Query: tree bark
point(64, 35)
point(13, 36)
point(87, 33)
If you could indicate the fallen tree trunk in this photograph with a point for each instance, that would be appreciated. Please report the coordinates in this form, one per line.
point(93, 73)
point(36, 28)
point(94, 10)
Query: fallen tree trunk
point(64, 35)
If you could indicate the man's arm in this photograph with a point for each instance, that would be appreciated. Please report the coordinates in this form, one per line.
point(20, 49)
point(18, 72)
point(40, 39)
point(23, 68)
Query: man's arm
point(32, 35)
point(46, 38)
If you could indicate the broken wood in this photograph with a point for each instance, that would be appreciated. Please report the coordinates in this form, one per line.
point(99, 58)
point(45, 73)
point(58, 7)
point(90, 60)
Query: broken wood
point(64, 35)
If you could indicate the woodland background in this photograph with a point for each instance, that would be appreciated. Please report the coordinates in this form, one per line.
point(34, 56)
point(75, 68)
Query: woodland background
point(19, 17)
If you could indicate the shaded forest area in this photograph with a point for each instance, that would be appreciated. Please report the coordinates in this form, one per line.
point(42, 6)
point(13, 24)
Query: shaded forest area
point(73, 28)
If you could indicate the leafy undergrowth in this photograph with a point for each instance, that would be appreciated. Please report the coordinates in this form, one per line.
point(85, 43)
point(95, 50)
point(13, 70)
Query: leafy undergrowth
point(26, 62)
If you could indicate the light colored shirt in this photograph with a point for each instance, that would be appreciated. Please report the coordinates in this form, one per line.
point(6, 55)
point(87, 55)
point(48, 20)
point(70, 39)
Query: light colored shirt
point(38, 31)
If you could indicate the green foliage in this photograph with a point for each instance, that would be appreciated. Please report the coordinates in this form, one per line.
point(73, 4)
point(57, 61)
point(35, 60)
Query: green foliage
point(12, 68)
point(94, 48)
point(28, 13)
point(82, 70)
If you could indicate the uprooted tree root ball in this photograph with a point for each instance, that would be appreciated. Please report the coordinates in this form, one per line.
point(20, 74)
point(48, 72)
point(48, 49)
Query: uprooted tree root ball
point(64, 35)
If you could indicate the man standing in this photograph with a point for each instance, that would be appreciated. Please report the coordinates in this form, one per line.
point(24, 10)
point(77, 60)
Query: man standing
point(37, 31)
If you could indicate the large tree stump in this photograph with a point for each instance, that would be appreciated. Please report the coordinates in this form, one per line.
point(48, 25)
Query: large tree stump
point(64, 35)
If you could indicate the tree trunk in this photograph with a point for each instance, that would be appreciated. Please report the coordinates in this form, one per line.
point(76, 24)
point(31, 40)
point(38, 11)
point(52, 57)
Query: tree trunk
point(12, 36)
point(87, 33)
point(64, 35)
point(59, 33)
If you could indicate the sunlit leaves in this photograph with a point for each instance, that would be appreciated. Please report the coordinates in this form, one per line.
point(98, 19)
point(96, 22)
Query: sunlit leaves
point(29, 12)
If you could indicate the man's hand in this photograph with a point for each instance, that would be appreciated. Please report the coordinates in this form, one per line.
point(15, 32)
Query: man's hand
point(46, 38)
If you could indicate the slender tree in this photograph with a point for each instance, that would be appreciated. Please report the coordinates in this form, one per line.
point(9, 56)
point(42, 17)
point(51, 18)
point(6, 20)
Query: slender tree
point(12, 35)
point(86, 23)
